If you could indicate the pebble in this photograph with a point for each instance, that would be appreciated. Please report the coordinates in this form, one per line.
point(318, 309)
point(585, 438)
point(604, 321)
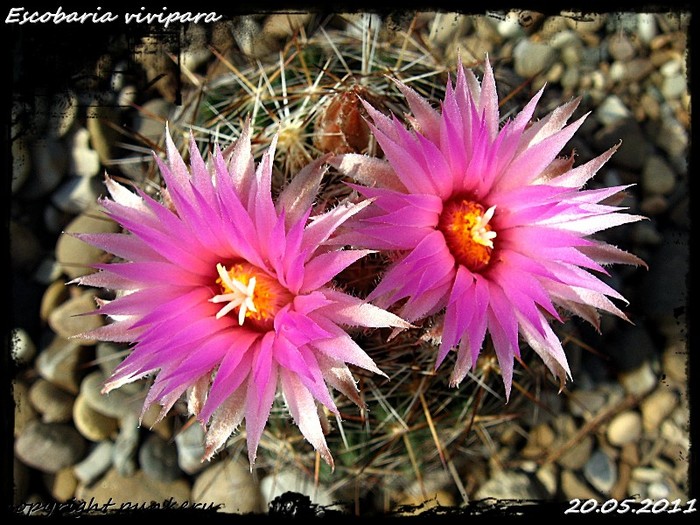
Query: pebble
point(584, 403)
point(25, 248)
point(163, 427)
point(508, 484)
point(548, 476)
point(611, 111)
point(510, 26)
point(646, 27)
point(532, 58)
point(23, 348)
point(132, 492)
point(84, 161)
point(150, 122)
point(62, 115)
point(49, 447)
point(62, 484)
point(190, 449)
point(574, 487)
point(55, 294)
point(21, 164)
point(658, 177)
point(103, 136)
point(108, 356)
point(656, 407)
point(95, 464)
point(90, 423)
point(639, 381)
point(126, 446)
point(646, 474)
point(48, 271)
point(600, 471)
point(60, 363)
point(674, 87)
point(576, 456)
point(584, 22)
point(287, 480)
point(624, 428)
point(74, 255)
point(672, 137)
point(77, 194)
point(24, 412)
point(675, 363)
point(620, 47)
point(158, 459)
point(674, 434)
point(228, 483)
point(67, 322)
point(541, 438)
point(658, 490)
point(54, 404)
point(634, 147)
point(48, 161)
point(115, 404)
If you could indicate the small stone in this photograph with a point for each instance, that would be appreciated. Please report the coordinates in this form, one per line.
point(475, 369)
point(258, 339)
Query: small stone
point(62, 115)
point(162, 427)
point(61, 363)
point(611, 111)
point(570, 78)
point(675, 363)
point(67, 321)
point(634, 147)
point(576, 456)
point(510, 26)
point(625, 428)
point(62, 485)
point(84, 161)
point(115, 404)
point(90, 423)
point(584, 22)
point(126, 445)
point(658, 490)
point(600, 471)
point(101, 121)
point(23, 348)
point(657, 407)
point(620, 47)
point(638, 69)
point(54, 404)
point(629, 454)
point(639, 381)
point(508, 485)
point(150, 122)
point(276, 484)
point(448, 26)
point(281, 26)
point(190, 449)
point(24, 412)
point(109, 355)
point(547, 476)
point(21, 164)
point(418, 503)
point(532, 58)
point(658, 177)
point(134, 492)
point(48, 271)
point(672, 137)
point(48, 161)
point(646, 27)
point(158, 459)
point(49, 447)
point(646, 474)
point(674, 434)
point(25, 249)
point(674, 86)
point(54, 295)
point(77, 194)
point(584, 403)
point(230, 484)
point(97, 462)
point(76, 256)
point(574, 487)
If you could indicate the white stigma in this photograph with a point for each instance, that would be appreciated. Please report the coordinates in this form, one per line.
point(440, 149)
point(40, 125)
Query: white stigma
point(241, 295)
point(480, 234)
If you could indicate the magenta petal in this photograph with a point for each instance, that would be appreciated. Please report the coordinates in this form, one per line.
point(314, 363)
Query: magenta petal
point(258, 405)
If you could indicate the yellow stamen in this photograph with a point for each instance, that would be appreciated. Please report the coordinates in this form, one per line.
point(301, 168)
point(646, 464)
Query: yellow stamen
point(468, 234)
point(257, 296)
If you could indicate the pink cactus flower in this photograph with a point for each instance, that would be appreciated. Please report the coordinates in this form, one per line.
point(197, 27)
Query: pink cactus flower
point(487, 225)
point(228, 296)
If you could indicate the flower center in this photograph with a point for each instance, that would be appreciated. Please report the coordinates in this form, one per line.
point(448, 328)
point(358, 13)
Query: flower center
point(468, 234)
point(251, 293)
